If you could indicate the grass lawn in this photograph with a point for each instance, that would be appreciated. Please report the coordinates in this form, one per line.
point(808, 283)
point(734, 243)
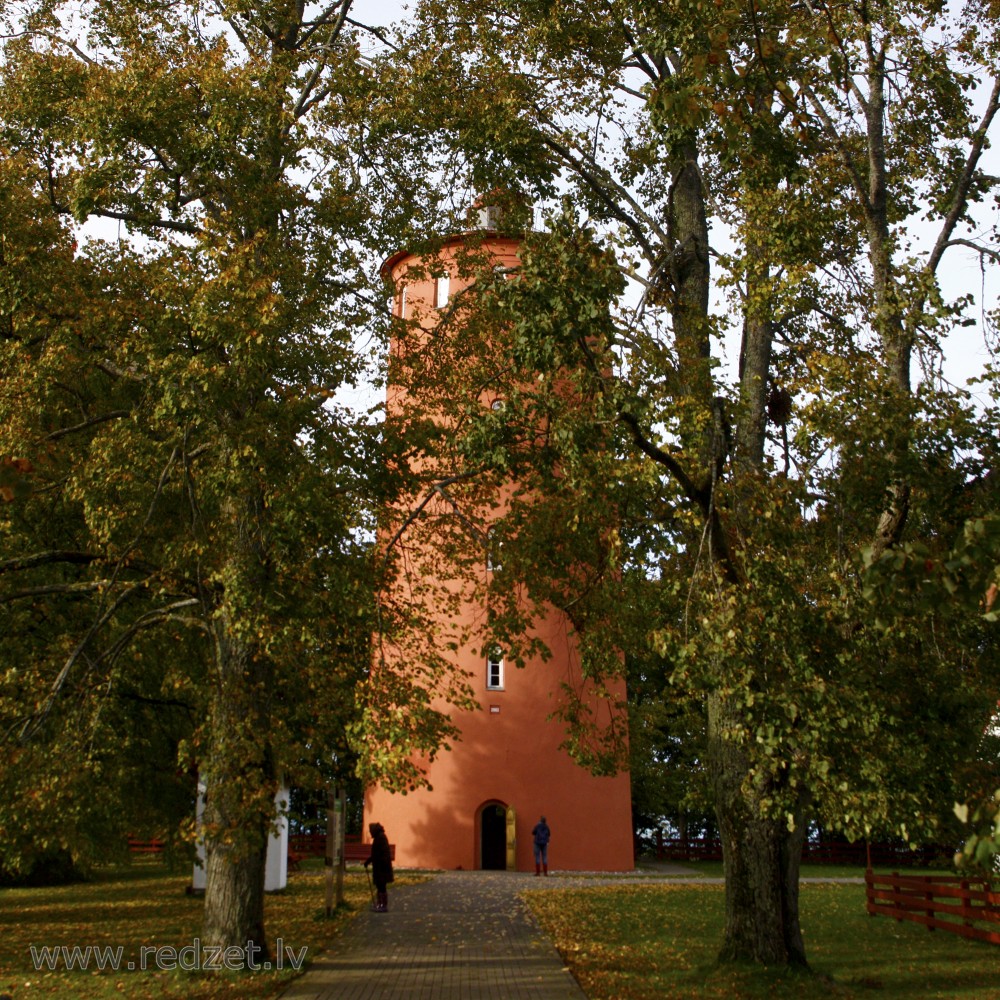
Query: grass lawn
point(145, 905)
point(645, 942)
point(626, 942)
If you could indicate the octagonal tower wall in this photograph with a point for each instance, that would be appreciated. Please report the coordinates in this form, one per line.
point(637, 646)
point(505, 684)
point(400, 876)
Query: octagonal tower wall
point(508, 768)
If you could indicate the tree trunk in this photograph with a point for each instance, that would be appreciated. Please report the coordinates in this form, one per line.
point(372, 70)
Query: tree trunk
point(755, 371)
point(234, 897)
point(889, 322)
point(687, 275)
point(760, 856)
point(241, 783)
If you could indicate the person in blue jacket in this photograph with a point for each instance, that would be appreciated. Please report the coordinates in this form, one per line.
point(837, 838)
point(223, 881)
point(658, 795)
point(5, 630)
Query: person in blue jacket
point(540, 835)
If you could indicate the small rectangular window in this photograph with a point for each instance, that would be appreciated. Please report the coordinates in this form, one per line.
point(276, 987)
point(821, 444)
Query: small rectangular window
point(489, 217)
point(402, 303)
point(494, 670)
point(441, 292)
point(493, 545)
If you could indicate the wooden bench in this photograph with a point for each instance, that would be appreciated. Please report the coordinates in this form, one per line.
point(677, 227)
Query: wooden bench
point(152, 846)
point(302, 846)
point(295, 859)
point(362, 852)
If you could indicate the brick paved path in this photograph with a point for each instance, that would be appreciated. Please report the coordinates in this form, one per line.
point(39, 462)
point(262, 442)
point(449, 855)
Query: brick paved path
point(458, 936)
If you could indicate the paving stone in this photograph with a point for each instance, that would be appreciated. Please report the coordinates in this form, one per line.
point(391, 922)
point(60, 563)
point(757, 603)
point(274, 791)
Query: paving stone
point(459, 935)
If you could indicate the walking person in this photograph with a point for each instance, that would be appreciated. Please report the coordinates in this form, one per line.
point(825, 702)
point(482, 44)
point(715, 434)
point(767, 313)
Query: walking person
point(381, 861)
point(540, 835)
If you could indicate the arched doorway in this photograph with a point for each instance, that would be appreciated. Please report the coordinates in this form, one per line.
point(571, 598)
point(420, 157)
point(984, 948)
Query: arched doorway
point(493, 837)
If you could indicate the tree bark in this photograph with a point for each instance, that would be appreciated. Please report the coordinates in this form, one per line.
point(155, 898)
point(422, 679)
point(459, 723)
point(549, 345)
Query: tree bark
point(241, 775)
point(761, 857)
point(889, 323)
point(234, 897)
point(239, 801)
point(755, 370)
point(687, 275)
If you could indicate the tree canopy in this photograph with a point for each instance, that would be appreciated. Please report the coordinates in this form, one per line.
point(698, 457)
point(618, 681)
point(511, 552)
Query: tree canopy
point(185, 571)
point(186, 507)
point(758, 173)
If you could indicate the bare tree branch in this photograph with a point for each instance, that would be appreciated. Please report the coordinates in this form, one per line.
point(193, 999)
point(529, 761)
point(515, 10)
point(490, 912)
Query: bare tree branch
point(661, 457)
point(33, 724)
point(600, 182)
point(93, 421)
point(334, 17)
point(84, 587)
point(66, 43)
point(983, 251)
point(960, 196)
point(437, 489)
point(110, 368)
point(173, 225)
point(376, 30)
point(52, 556)
point(147, 620)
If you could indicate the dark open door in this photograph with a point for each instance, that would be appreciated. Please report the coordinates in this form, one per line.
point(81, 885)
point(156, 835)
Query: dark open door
point(494, 837)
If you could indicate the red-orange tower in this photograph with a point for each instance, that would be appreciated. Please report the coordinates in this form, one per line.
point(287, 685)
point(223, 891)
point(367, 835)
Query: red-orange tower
point(508, 768)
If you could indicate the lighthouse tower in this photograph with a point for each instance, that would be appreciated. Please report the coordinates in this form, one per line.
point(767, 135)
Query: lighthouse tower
point(507, 769)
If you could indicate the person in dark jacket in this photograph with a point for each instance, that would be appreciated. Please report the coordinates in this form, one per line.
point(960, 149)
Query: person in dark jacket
point(540, 835)
point(381, 861)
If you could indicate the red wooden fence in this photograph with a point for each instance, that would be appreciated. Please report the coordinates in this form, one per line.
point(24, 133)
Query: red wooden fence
point(830, 852)
point(963, 906)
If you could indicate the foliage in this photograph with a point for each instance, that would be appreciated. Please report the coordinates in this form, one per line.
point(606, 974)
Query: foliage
point(186, 507)
point(666, 762)
point(982, 846)
point(665, 607)
point(54, 867)
point(745, 496)
point(967, 577)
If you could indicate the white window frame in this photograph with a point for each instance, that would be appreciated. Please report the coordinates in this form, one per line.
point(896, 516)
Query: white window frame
point(494, 563)
point(441, 286)
point(489, 217)
point(494, 670)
